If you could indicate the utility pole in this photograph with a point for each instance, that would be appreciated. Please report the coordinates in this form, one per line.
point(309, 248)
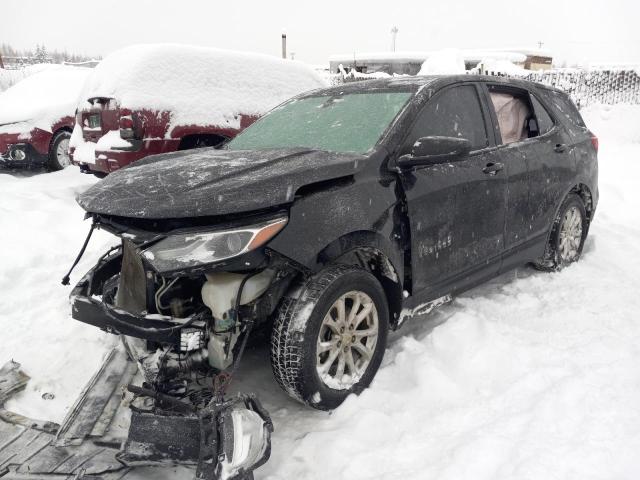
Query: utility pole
point(540, 44)
point(394, 34)
point(284, 46)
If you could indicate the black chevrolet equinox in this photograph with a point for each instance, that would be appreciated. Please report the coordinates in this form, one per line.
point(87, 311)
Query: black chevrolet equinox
point(331, 220)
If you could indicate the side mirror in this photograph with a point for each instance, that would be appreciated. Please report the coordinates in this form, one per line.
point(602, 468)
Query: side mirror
point(435, 150)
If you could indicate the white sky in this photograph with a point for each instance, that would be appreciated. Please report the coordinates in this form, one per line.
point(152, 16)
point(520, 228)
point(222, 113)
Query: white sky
point(576, 31)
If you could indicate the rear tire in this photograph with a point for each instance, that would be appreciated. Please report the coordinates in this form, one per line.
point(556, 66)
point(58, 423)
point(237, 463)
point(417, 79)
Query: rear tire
point(58, 158)
point(337, 323)
point(568, 233)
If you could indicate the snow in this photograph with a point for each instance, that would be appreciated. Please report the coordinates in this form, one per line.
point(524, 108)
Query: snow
point(442, 62)
point(41, 99)
point(83, 151)
point(11, 77)
point(494, 66)
point(511, 55)
point(199, 85)
point(530, 376)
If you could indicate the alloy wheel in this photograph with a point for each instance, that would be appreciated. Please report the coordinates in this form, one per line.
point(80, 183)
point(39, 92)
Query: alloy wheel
point(62, 153)
point(347, 340)
point(570, 236)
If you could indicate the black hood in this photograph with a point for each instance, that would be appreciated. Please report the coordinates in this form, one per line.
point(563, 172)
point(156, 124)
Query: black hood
point(208, 182)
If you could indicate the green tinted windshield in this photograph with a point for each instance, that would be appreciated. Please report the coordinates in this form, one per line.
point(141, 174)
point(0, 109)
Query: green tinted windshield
point(351, 122)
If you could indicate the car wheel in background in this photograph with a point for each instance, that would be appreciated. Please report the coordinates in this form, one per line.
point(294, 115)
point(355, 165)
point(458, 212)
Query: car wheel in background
point(567, 237)
point(329, 340)
point(59, 151)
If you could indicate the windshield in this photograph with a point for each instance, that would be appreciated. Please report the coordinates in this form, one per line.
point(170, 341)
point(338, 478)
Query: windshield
point(352, 122)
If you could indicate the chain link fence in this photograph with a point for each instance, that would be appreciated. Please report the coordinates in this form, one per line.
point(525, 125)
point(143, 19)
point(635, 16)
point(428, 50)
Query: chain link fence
point(585, 87)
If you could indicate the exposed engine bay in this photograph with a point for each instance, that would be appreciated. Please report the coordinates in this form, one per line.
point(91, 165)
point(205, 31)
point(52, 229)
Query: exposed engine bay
point(186, 328)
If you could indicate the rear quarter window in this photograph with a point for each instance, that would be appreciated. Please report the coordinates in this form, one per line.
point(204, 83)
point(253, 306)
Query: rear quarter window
point(545, 122)
point(566, 110)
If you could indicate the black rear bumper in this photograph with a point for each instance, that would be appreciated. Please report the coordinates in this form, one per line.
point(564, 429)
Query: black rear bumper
point(88, 307)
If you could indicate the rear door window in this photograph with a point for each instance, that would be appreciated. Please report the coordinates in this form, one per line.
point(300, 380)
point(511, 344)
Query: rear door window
point(513, 113)
point(455, 112)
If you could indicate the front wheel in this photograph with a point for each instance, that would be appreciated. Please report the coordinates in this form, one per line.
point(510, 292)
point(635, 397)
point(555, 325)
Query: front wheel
point(59, 151)
point(568, 233)
point(328, 342)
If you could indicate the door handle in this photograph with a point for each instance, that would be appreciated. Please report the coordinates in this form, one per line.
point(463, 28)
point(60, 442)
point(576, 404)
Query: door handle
point(559, 148)
point(492, 168)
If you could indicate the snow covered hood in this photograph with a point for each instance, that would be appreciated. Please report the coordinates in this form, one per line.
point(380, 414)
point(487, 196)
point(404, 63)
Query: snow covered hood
point(208, 182)
point(42, 98)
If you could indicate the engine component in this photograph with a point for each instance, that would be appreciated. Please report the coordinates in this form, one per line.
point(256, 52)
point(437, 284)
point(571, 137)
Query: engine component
point(220, 294)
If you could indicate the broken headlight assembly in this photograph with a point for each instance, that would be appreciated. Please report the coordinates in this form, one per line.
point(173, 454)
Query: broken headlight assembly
point(187, 250)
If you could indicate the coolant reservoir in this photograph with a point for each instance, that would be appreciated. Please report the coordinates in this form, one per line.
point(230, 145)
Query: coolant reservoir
point(220, 290)
point(219, 293)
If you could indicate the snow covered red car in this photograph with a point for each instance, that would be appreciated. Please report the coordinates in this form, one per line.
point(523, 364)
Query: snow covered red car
point(150, 99)
point(36, 118)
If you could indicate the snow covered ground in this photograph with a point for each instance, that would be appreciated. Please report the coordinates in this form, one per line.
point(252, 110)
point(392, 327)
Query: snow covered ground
point(531, 376)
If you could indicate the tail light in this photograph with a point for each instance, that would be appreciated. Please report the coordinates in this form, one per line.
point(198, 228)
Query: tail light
point(130, 127)
point(594, 141)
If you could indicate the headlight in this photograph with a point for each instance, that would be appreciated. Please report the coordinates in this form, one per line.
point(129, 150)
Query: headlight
point(245, 438)
point(192, 249)
point(17, 152)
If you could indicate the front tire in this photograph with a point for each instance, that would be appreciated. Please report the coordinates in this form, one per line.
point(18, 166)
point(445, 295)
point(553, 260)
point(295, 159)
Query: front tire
point(59, 151)
point(568, 233)
point(329, 340)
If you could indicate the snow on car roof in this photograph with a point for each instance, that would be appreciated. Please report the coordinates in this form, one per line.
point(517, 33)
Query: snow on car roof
point(44, 97)
point(199, 85)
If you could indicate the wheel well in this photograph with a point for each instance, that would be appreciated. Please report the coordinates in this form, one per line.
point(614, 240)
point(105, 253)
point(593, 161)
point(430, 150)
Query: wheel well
point(585, 194)
point(380, 266)
point(200, 140)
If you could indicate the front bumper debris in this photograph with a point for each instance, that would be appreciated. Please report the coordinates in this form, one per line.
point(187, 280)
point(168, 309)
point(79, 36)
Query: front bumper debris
point(208, 439)
point(217, 441)
point(89, 307)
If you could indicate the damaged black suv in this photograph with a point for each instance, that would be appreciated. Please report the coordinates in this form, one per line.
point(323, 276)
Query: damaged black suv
point(330, 221)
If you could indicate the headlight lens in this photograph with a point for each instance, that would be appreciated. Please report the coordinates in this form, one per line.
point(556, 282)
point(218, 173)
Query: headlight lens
point(245, 438)
point(192, 249)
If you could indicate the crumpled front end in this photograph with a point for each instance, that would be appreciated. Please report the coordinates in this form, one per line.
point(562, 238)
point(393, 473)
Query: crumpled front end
point(186, 302)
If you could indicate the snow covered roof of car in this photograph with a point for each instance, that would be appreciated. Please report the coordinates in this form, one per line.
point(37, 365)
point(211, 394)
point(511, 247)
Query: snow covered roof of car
point(198, 85)
point(41, 99)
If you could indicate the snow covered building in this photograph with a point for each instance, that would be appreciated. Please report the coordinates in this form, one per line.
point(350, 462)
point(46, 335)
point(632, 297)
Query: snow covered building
point(409, 63)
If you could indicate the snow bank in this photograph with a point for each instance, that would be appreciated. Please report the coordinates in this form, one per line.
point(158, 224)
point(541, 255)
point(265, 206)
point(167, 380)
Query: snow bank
point(41, 231)
point(201, 86)
point(444, 62)
point(42, 98)
point(9, 78)
point(620, 122)
point(492, 65)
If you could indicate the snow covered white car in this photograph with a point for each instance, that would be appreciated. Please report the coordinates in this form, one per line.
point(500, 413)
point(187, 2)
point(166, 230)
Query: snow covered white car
point(36, 118)
point(331, 220)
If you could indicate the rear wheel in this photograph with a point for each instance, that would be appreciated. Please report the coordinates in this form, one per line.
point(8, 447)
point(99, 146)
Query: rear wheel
point(328, 342)
point(568, 233)
point(59, 151)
